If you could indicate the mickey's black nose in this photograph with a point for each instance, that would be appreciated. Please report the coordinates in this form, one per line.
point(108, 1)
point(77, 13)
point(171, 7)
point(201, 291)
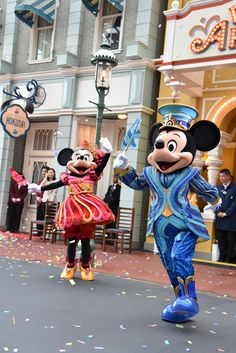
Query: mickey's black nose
point(159, 144)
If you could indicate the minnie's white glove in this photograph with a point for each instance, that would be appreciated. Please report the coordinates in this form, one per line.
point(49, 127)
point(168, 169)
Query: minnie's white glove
point(121, 162)
point(106, 145)
point(214, 207)
point(33, 188)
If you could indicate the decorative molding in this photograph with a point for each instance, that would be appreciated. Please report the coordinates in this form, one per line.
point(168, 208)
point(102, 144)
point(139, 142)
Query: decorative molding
point(203, 112)
point(214, 81)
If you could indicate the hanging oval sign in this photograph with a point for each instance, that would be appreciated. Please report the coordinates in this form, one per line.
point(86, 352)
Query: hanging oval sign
point(15, 120)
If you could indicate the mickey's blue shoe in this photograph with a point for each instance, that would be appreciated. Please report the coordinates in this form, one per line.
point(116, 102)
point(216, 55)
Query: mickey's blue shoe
point(186, 303)
point(169, 315)
point(185, 306)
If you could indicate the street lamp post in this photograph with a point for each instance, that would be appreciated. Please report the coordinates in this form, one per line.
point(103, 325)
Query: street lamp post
point(104, 60)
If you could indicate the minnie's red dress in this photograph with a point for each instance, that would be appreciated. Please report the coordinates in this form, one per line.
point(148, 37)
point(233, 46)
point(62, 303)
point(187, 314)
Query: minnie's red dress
point(82, 210)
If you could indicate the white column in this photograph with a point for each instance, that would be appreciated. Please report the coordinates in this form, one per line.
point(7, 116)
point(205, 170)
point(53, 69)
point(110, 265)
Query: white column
point(214, 163)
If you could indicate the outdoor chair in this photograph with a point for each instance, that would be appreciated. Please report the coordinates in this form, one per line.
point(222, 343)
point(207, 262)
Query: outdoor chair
point(47, 224)
point(98, 235)
point(121, 236)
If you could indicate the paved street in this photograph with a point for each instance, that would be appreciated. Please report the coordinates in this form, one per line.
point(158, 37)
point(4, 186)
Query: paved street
point(41, 314)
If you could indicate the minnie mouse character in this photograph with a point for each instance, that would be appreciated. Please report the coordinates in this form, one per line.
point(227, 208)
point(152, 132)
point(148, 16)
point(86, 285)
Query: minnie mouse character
point(82, 210)
point(174, 216)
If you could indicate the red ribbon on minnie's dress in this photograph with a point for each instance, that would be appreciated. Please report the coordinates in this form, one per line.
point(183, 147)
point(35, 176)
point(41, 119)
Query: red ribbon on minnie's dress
point(18, 178)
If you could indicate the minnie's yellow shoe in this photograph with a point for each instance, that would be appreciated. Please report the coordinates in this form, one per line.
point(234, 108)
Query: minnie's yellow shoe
point(68, 272)
point(86, 274)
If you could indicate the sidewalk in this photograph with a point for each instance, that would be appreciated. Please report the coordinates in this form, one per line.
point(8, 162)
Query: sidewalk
point(139, 265)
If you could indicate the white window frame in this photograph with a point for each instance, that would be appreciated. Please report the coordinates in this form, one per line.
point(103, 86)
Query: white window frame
point(98, 29)
point(33, 42)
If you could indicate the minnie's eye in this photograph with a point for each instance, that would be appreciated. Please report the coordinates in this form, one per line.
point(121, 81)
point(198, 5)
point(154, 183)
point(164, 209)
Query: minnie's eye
point(172, 145)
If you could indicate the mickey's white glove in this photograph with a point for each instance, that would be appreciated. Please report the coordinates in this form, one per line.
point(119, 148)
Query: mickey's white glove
point(214, 207)
point(33, 188)
point(121, 162)
point(106, 145)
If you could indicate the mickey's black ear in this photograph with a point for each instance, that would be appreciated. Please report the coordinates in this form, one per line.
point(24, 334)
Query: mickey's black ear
point(64, 156)
point(206, 135)
point(154, 132)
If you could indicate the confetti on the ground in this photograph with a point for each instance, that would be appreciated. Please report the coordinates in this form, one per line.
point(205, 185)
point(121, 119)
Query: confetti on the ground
point(69, 344)
point(51, 276)
point(190, 342)
point(97, 347)
point(212, 332)
point(179, 326)
point(72, 282)
point(122, 327)
point(167, 342)
point(79, 341)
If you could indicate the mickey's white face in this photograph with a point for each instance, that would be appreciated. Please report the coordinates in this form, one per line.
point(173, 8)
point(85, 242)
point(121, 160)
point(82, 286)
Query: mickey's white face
point(81, 162)
point(167, 155)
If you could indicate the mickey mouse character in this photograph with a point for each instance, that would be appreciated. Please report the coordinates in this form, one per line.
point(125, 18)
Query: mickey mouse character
point(174, 216)
point(82, 210)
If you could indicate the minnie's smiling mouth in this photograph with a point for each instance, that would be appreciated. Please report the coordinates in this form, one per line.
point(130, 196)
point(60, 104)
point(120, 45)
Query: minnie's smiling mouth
point(81, 169)
point(165, 165)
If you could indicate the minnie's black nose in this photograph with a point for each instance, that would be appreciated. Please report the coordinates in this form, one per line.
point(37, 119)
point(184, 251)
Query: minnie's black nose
point(159, 144)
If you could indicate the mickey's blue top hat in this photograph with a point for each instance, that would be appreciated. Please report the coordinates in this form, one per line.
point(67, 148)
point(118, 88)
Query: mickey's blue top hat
point(178, 116)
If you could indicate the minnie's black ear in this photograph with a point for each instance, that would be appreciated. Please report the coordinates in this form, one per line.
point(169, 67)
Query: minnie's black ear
point(154, 132)
point(64, 156)
point(206, 135)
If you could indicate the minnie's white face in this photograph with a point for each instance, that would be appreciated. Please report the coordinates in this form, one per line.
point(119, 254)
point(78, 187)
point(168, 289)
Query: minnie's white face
point(81, 162)
point(167, 155)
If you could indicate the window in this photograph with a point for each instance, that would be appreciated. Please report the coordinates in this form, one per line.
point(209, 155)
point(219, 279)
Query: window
point(86, 132)
point(111, 20)
point(43, 139)
point(41, 39)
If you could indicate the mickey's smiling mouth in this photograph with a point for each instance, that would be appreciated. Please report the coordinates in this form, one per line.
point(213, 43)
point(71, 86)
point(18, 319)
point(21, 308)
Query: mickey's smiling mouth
point(165, 165)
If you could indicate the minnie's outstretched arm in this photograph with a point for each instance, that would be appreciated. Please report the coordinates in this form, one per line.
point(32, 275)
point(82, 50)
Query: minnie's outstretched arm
point(33, 188)
point(105, 144)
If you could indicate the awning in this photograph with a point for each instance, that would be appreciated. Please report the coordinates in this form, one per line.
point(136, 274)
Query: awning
point(92, 5)
point(42, 8)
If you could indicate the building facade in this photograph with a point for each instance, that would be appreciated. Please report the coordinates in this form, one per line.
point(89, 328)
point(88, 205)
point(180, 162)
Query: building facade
point(51, 41)
point(198, 68)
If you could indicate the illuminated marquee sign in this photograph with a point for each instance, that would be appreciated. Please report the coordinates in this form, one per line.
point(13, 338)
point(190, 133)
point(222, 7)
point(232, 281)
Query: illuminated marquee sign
point(218, 34)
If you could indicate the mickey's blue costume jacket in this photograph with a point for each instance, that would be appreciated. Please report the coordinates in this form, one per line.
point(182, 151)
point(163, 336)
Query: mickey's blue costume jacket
point(173, 190)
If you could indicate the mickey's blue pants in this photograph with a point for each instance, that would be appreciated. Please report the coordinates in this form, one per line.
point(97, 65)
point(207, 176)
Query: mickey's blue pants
point(176, 244)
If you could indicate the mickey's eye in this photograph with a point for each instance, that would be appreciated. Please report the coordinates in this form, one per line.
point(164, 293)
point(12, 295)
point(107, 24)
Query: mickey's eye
point(172, 145)
point(86, 158)
point(77, 157)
